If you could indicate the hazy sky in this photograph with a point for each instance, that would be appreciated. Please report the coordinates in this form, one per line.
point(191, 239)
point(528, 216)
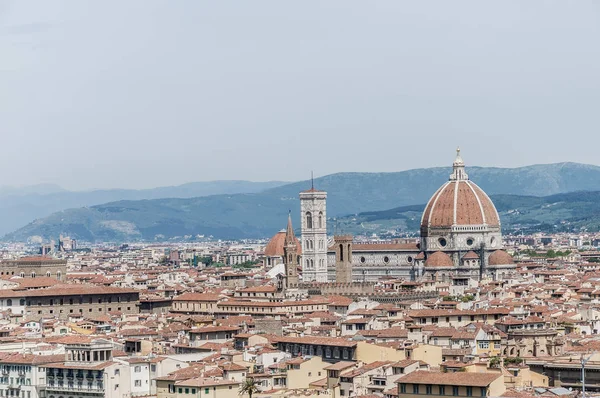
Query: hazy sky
point(148, 93)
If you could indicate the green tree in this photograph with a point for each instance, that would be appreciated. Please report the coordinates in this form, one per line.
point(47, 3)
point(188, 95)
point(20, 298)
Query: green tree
point(249, 386)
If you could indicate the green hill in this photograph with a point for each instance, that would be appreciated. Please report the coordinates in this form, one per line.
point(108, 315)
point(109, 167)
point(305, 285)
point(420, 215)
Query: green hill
point(568, 212)
point(517, 193)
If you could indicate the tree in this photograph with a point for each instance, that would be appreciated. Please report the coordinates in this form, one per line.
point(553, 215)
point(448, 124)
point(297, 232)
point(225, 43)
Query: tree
point(249, 386)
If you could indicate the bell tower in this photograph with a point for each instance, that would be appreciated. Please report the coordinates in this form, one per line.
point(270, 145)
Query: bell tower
point(343, 258)
point(290, 256)
point(313, 215)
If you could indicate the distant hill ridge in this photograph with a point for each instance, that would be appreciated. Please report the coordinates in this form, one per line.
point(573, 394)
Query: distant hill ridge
point(263, 213)
point(21, 205)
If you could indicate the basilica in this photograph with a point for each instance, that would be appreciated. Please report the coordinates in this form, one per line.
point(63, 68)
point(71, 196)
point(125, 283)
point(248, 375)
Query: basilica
point(460, 237)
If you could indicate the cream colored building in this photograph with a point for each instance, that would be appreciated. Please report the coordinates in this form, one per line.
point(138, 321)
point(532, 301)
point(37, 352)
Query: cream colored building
point(207, 388)
point(459, 384)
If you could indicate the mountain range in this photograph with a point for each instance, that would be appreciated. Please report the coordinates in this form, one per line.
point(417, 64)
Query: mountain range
point(526, 196)
point(21, 205)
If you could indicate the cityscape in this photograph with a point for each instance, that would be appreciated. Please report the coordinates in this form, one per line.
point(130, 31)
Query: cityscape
point(390, 199)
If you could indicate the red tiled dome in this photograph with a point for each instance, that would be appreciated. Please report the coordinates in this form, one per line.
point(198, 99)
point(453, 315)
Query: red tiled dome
point(459, 202)
point(471, 255)
point(275, 246)
point(439, 259)
point(500, 257)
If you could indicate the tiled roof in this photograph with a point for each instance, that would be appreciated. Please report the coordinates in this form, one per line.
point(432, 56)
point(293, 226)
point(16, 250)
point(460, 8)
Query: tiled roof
point(450, 379)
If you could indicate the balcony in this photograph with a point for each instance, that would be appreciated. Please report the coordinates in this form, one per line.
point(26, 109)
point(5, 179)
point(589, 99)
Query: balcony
point(93, 389)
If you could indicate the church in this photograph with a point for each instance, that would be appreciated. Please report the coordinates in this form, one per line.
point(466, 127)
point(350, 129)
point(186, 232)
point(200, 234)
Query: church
point(460, 236)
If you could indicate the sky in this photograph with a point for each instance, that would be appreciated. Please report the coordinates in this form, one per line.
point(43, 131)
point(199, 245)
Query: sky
point(139, 94)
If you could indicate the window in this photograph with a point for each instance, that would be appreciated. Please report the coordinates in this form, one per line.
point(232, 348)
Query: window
point(138, 383)
point(482, 391)
point(308, 220)
point(484, 344)
point(428, 389)
point(415, 388)
point(455, 391)
point(187, 390)
point(193, 391)
point(137, 369)
point(469, 391)
point(403, 388)
point(442, 390)
point(207, 390)
point(180, 390)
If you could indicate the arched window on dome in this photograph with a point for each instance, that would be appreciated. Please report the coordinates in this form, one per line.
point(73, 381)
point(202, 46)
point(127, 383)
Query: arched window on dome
point(309, 223)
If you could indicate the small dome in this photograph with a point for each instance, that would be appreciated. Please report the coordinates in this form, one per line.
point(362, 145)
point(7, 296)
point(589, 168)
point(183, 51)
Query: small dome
point(471, 255)
point(500, 257)
point(439, 259)
point(275, 246)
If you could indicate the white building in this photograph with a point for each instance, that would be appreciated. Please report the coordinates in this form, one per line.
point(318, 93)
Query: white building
point(313, 216)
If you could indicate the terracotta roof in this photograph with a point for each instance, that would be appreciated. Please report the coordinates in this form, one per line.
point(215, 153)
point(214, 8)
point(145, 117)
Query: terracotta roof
point(259, 289)
point(500, 257)
point(331, 341)
point(67, 290)
point(197, 297)
point(275, 246)
point(204, 382)
point(439, 259)
point(450, 379)
point(471, 255)
point(459, 202)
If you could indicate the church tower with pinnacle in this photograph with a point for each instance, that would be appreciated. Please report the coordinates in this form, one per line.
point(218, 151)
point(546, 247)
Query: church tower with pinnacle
point(290, 256)
point(313, 215)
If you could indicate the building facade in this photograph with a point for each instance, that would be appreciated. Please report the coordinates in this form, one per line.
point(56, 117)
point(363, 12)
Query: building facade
point(30, 267)
point(313, 210)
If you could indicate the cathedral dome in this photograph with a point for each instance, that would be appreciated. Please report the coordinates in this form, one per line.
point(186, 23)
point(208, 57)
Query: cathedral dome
point(459, 202)
point(500, 257)
point(275, 246)
point(459, 216)
point(439, 259)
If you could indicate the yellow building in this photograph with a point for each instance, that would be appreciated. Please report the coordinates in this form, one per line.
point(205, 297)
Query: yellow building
point(207, 388)
point(368, 353)
point(460, 384)
point(303, 371)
